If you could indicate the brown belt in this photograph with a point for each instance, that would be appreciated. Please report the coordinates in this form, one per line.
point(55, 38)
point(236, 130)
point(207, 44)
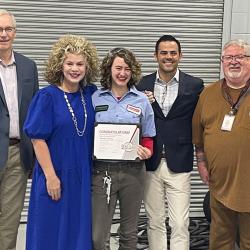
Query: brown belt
point(13, 141)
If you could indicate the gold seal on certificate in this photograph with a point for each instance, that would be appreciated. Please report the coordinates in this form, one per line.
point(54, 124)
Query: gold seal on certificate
point(116, 141)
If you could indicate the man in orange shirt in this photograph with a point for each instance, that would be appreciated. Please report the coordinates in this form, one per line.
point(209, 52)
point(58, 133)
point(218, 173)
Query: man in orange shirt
point(221, 134)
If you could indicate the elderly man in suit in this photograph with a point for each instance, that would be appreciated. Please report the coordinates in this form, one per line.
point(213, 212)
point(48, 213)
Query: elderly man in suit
point(18, 83)
point(173, 95)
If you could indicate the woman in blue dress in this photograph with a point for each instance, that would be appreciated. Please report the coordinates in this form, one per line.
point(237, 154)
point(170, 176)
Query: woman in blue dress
point(60, 124)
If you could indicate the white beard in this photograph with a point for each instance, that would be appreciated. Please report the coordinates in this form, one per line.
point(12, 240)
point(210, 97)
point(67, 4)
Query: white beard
point(234, 74)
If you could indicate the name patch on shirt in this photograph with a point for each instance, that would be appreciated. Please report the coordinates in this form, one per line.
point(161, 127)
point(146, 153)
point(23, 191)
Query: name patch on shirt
point(100, 108)
point(133, 109)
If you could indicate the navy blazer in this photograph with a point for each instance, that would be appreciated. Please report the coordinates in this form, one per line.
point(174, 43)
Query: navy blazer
point(27, 85)
point(175, 130)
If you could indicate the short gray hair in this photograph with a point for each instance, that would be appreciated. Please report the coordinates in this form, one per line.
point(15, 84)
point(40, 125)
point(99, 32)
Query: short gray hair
point(5, 12)
point(239, 42)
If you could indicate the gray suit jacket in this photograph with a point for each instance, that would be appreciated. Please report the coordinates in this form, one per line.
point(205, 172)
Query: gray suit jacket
point(27, 84)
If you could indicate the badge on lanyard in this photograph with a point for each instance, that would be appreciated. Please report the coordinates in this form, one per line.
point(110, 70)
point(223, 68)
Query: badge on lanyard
point(227, 123)
point(228, 120)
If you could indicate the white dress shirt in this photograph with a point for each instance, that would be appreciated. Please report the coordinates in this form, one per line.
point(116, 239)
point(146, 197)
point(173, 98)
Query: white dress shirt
point(8, 77)
point(165, 93)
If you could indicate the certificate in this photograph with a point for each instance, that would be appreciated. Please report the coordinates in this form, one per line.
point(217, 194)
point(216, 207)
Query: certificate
point(116, 141)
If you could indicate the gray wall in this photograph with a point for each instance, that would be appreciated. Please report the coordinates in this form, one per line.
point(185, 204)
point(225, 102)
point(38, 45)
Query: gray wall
point(236, 23)
point(240, 26)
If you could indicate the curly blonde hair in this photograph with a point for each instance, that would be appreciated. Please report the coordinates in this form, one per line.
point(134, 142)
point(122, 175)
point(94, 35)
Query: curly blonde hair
point(129, 59)
point(75, 45)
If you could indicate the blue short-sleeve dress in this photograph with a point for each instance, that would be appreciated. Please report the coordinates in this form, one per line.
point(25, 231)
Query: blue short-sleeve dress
point(63, 224)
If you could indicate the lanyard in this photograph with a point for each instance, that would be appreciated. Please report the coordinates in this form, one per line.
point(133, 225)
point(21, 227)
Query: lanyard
point(229, 99)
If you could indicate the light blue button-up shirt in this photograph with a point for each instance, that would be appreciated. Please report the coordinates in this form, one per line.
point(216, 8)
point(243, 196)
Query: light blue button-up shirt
point(133, 107)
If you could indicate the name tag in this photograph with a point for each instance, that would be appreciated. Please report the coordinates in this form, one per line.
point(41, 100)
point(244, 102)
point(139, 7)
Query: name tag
point(227, 123)
point(133, 109)
point(100, 108)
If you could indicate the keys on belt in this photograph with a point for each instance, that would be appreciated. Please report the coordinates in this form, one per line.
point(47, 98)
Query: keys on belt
point(163, 153)
point(13, 141)
point(107, 183)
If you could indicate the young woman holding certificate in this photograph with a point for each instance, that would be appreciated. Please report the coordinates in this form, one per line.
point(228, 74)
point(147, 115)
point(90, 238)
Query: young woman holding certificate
point(118, 102)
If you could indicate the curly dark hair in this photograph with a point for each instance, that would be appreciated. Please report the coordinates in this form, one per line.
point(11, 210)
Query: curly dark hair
point(75, 45)
point(129, 59)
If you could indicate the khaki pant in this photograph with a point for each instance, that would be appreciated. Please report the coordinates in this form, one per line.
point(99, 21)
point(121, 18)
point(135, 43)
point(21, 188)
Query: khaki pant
point(224, 226)
point(13, 180)
point(164, 186)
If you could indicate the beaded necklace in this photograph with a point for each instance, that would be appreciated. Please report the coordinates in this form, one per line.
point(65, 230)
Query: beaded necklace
point(79, 132)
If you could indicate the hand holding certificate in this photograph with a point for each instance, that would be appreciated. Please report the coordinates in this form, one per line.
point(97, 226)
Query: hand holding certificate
point(114, 141)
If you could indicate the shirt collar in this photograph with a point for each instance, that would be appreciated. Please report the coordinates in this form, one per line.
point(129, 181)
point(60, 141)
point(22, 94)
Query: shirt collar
point(131, 90)
point(173, 80)
point(12, 60)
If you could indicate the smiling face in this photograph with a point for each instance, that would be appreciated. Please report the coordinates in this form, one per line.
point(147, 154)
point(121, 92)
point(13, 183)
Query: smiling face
point(168, 58)
point(8, 35)
point(236, 71)
point(121, 73)
point(74, 70)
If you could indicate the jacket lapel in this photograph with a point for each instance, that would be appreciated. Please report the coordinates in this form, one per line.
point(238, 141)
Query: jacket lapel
point(2, 94)
point(150, 87)
point(158, 109)
point(150, 83)
point(181, 90)
point(19, 78)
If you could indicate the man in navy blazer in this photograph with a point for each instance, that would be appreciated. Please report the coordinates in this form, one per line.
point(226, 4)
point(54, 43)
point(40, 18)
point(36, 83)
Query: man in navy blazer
point(173, 95)
point(18, 83)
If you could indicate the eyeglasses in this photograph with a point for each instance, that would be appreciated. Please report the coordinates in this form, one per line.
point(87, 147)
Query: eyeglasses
point(237, 58)
point(8, 30)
